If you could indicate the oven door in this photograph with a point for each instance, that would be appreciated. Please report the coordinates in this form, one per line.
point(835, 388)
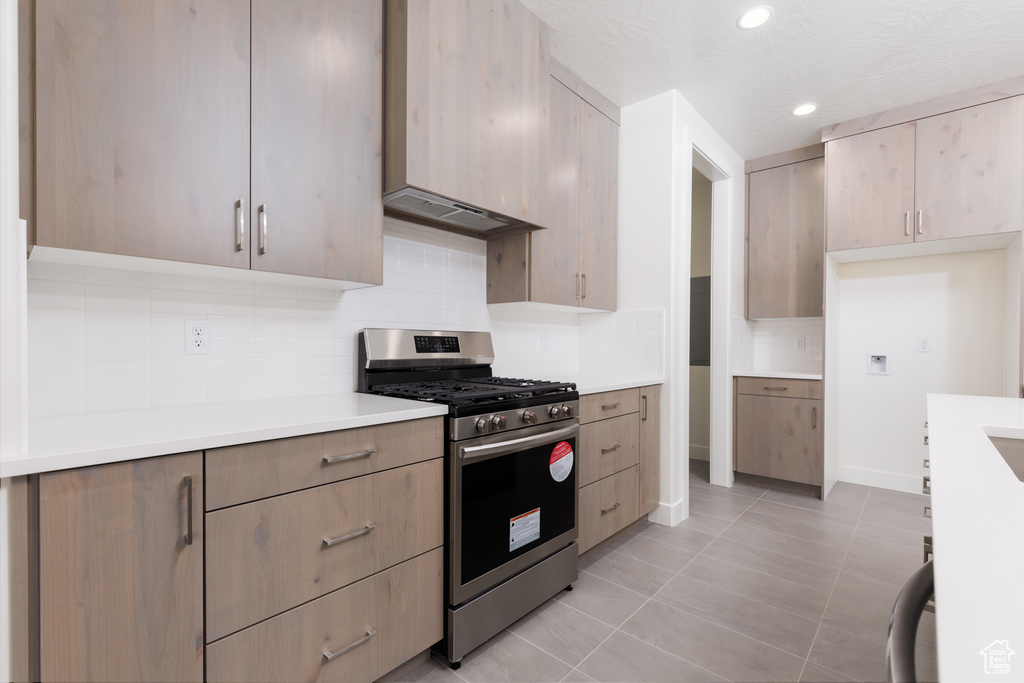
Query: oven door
point(513, 503)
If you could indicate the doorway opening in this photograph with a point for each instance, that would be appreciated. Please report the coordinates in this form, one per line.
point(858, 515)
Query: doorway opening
point(700, 325)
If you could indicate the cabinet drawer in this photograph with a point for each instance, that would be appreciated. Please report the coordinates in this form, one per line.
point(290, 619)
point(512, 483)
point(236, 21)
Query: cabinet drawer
point(608, 446)
point(265, 557)
point(607, 506)
point(609, 404)
point(401, 605)
point(773, 386)
point(239, 474)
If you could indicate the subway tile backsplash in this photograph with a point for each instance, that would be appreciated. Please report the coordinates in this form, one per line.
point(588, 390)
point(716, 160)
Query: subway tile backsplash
point(770, 345)
point(102, 340)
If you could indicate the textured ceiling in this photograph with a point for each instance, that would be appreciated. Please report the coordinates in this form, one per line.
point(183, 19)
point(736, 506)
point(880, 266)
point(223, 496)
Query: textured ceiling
point(851, 57)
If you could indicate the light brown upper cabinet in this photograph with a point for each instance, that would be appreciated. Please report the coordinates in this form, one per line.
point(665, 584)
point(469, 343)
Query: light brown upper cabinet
point(466, 113)
point(573, 263)
point(786, 240)
point(145, 134)
point(957, 174)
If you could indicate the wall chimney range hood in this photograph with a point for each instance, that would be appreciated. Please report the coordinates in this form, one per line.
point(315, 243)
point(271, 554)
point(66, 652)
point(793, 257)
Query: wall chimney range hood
point(466, 117)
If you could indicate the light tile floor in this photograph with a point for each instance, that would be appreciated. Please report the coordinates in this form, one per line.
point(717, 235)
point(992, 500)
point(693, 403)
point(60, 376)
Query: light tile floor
point(757, 585)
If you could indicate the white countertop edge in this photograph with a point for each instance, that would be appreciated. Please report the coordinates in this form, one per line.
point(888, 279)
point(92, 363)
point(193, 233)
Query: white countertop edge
point(64, 442)
point(778, 374)
point(586, 388)
point(977, 508)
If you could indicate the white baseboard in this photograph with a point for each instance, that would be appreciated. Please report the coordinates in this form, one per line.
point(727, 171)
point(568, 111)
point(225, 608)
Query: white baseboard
point(884, 480)
point(700, 452)
point(669, 515)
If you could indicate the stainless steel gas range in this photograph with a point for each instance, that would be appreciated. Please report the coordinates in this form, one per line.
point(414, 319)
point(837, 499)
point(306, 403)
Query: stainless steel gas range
point(510, 488)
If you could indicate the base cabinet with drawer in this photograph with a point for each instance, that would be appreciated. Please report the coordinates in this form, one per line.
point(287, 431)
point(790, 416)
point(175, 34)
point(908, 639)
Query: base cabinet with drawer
point(318, 558)
point(778, 426)
point(616, 473)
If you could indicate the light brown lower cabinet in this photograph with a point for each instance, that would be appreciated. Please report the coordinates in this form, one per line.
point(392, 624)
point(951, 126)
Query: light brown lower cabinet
point(273, 554)
point(618, 461)
point(608, 506)
point(778, 426)
point(357, 633)
point(121, 571)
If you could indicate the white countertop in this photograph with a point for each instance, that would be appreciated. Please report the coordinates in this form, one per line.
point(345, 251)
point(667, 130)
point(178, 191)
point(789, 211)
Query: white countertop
point(978, 532)
point(778, 374)
point(57, 443)
point(599, 386)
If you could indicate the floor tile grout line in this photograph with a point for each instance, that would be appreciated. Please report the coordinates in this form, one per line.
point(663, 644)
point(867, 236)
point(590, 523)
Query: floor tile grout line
point(831, 594)
point(672, 654)
point(532, 644)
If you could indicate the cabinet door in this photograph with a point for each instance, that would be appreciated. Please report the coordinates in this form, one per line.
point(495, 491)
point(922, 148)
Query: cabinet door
point(786, 241)
point(142, 124)
point(599, 191)
point(869, 192)
point(970, 171)
point(779, 438)
point(555, 252)
point(121, 585)
point(650, 449)
point(316, 139)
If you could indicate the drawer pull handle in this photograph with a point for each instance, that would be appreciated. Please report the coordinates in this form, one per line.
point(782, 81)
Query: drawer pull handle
point(188, 493)
point(814, 418)
point(643, 412)
point(328, 542)
point(920, 222)
point(776, 388)
point(607, 510)
point(240, 225)
point(906, 224)
point(262, 212)
point(370, 633)
point(611, 406)
point(342, 458)
point(926, 485)
point(609, 450)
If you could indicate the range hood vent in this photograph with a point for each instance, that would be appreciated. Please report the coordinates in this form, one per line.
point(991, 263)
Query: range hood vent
point(438, 209)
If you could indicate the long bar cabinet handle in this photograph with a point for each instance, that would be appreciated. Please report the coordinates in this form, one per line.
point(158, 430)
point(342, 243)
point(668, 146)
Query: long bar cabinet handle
point(607, 510)
point(611, 406)
point(643, 408)
point(776, 388)
point(330, 460)
point(814, 418)
point(906, 224)
point(328, 542)
point(920, 222)
point(583, 277)
point(370, 633)
point(262, 212)
point(577, 285)
point(240, 225)
point(609, 450)
point(188, 504)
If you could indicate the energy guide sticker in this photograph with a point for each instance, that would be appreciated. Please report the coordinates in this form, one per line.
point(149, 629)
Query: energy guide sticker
point(523, 529)
point(561, 461)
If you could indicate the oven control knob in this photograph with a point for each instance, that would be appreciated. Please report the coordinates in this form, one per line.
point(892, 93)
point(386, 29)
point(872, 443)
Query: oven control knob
point(529, 417)
point(568, 411)
point(498, 422)
point(555, 412)
point(483, 424)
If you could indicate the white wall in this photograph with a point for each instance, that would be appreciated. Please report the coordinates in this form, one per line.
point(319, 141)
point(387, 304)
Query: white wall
point(657, 140)
point(769, 345)
point(958, 302)
point(12, 296)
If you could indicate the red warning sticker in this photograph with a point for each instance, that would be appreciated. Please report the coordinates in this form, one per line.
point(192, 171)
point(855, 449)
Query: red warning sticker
point(561, 461)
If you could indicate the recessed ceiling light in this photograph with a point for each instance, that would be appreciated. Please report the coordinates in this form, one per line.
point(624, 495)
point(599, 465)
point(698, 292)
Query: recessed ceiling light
point(805, 109)
point(754, 17)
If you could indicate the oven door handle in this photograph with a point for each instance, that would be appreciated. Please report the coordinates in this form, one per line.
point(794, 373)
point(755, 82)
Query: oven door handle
point(514, 445)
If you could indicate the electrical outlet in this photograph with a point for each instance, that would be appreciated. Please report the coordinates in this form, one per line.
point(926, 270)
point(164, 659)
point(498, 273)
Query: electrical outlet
point(924, 345)
point(197, 337)
point(800, 344)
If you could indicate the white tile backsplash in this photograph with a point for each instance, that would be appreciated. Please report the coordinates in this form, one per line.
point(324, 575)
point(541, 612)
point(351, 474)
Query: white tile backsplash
point(769, 345)
point(102, 339)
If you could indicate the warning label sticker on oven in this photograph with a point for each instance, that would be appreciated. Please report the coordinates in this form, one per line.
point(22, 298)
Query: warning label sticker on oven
point(523, 529)
point(561, 461)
